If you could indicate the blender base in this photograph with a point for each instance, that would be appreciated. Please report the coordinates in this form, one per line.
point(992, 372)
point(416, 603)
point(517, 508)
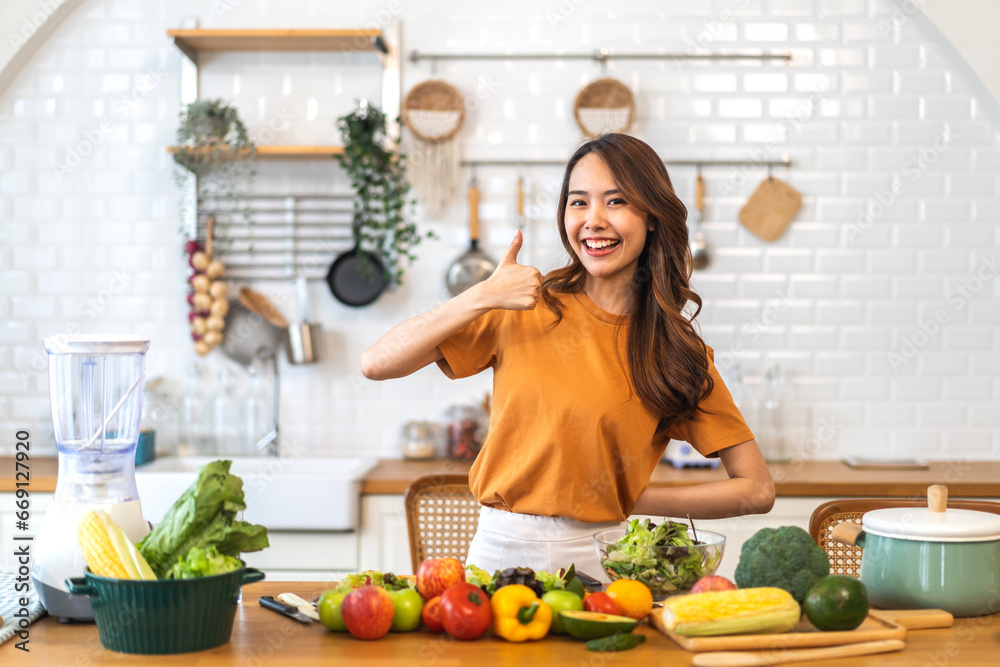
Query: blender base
point(59, 603)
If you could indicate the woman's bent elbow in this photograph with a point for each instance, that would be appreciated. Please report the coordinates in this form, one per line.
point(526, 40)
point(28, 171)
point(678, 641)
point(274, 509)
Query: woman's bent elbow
point(764, 497)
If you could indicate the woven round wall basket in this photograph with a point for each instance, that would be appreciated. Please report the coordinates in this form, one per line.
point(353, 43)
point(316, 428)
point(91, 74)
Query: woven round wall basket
point(604, 106)
point(434, 110)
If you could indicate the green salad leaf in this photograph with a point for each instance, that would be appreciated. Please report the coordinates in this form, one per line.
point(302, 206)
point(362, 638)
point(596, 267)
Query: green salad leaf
point(660, 569)
point(204, 517)
point(203, 562)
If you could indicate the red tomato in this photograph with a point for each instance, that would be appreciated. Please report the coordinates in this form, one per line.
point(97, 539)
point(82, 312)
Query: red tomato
point(465, 611)
point(602, 603)
point(431, 615)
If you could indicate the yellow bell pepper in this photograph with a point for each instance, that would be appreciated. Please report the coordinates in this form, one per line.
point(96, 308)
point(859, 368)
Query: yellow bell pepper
point(518, 614)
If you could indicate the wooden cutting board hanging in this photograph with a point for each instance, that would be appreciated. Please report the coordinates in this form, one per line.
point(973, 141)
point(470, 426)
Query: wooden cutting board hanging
point(770, 209)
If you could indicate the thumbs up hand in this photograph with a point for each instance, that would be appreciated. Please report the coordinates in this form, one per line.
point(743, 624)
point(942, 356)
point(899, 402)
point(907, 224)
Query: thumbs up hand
point(514, 286)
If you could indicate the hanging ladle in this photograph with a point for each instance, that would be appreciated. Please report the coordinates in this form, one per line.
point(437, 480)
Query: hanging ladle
point(699, 248)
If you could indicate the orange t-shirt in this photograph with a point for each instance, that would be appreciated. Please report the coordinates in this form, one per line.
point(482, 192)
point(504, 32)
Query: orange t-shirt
point(568, 435)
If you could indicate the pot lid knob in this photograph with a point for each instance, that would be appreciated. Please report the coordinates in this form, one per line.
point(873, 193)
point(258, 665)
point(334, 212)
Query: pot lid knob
point(937, 497)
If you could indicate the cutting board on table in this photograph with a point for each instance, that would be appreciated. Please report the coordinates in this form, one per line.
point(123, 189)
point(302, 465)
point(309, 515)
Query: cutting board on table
point(880, 624)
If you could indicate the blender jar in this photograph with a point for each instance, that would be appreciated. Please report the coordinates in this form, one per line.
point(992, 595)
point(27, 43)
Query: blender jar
point(96, 392)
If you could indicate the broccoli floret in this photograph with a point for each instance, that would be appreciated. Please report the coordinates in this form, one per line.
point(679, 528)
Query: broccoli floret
point(785, 557)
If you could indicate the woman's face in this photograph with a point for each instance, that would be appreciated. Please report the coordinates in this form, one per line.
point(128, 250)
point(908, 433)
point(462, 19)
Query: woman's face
point(604, 230)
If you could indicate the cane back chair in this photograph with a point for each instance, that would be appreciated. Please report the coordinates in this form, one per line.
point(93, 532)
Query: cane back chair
point(441, 517)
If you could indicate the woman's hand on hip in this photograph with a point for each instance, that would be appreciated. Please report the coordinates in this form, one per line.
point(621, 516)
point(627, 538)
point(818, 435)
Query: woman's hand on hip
point(513, 286)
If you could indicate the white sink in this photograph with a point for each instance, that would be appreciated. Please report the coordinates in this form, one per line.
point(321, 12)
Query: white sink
point(281, 493)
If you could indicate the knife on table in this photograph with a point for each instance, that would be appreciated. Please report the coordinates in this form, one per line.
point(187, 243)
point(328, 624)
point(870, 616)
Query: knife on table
point(285, 609)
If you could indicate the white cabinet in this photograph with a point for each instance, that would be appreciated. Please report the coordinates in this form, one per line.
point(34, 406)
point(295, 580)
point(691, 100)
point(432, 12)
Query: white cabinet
point(8, 527)
point(385, 545)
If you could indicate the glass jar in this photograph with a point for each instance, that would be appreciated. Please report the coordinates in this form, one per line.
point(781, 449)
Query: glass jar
point(466, 431)
point(420, 440)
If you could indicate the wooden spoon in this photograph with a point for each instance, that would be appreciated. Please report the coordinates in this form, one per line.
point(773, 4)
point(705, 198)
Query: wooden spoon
point(260, 304)
point(781, 656)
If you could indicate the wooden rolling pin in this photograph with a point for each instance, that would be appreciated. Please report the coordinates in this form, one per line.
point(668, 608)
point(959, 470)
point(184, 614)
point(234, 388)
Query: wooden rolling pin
point(781, 656)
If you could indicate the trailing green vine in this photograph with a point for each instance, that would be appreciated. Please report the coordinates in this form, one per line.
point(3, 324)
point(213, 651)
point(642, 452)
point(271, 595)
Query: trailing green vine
point(378, 177)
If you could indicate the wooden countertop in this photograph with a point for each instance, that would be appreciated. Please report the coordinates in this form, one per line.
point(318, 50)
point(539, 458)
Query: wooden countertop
point(795, 478)
point(966, 479)
point(261, 637)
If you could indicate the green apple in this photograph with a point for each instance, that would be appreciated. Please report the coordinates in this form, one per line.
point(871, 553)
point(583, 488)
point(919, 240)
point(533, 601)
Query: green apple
point(561, 600)
point(329, 609)
point(406, 607)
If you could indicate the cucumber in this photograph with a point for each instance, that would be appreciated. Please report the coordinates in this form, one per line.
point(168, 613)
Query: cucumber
point(619, 642)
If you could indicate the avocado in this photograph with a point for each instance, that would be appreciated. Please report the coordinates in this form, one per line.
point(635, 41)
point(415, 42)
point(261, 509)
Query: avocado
point(836, 602)
point(587, 625)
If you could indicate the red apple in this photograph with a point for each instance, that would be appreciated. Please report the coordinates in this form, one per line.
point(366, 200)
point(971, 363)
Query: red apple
point(713, 583)
point(367, 612)
point(436, 574)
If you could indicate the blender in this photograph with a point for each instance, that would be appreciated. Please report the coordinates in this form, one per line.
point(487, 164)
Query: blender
point(95, 391)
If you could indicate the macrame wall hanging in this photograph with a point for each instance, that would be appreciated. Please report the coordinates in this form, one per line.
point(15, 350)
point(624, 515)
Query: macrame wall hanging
point(434, 112)
point(604, 106)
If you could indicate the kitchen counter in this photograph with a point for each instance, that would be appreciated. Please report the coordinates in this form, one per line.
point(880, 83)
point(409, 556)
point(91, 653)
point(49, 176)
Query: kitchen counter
point(968, 479)
point(262, 637)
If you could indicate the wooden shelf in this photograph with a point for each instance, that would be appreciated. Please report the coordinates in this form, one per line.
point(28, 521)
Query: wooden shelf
point(288, 152)
point(192, 42)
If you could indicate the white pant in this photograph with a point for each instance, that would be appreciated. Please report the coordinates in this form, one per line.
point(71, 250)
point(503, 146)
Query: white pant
point(543, 543)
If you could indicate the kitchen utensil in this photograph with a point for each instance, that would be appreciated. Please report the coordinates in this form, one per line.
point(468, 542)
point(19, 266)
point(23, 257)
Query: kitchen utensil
point(260, 304)
point(782, 656)
point(288, 610)
point(304, 337)
point(935, 558)
point(96, 396)
point(474, 266)
point(916, 619)
point(603, 106)
point(163, 615)
point(709, 549)
point(356, 278)
point(434, 112)
point(770, 209)
point(700, 256)
point(874, 628)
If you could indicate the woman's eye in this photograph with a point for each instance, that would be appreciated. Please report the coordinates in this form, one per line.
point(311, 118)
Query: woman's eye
point(577, 201)
point(617, 201)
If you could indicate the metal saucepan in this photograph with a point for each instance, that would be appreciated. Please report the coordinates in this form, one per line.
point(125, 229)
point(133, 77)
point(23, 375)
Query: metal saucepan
point(248, 335)
point(356, 278)
point(933, 558)
point(474, 266)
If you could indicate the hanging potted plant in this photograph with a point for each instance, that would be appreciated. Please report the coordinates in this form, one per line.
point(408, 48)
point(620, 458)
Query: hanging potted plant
point(377, 171)
point(213, 148)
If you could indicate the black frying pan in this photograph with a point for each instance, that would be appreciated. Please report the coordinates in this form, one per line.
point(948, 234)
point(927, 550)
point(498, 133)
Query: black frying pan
point(356, 278)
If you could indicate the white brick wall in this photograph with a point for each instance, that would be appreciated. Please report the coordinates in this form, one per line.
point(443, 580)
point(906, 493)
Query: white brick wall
point(857, 273)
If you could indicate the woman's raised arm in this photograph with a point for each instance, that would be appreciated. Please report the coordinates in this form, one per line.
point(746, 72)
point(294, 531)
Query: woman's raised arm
point(410, 346)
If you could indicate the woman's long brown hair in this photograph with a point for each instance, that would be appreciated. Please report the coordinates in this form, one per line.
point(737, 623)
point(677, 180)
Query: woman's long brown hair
point(666, 358)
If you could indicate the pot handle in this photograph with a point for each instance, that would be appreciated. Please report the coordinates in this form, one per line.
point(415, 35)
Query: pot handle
point(847, 532)
point(250, 575)
point(937, 498)
point(79, 586)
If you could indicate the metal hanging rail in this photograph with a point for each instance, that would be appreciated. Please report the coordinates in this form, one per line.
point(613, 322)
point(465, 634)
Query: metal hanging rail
point(783, 162)
point(601, 56)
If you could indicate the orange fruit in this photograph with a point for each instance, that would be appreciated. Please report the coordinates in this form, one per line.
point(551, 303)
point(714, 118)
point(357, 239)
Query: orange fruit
point(632, 596)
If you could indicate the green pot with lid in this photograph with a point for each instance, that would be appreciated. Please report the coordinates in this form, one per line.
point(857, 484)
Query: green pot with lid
point(929, 558)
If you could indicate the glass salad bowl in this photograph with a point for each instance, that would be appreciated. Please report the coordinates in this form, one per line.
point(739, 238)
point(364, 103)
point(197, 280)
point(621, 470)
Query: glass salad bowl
point(665, 568)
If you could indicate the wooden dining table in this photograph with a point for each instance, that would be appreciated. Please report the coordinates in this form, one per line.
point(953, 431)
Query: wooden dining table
point(263, 637)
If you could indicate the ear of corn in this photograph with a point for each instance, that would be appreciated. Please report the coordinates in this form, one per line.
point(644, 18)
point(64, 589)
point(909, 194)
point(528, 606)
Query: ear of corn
point(739, 612)
point(107, 550)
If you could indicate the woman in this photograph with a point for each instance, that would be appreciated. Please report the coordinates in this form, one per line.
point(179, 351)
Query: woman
point(591, 386)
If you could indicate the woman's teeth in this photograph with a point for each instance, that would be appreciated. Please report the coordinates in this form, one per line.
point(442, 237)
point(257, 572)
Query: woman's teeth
point(596, 245)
